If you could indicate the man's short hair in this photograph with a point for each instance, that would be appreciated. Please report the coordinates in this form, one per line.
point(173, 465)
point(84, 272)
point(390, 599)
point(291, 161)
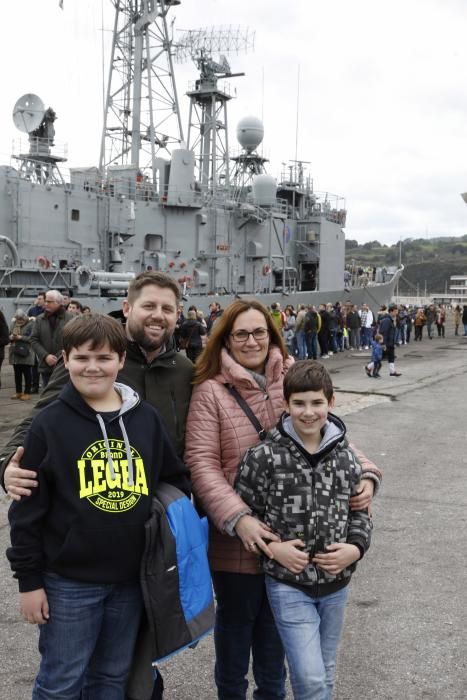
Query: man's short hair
point(77, 303)
point(160, 279)
point(97, 328)
point(307, 375)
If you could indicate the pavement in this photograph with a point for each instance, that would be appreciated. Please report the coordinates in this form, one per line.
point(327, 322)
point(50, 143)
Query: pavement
point(405, 636)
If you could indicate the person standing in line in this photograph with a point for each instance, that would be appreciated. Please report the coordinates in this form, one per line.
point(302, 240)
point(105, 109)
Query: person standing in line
point(238, 394)
point(34, 311)
point(366, 322)
point(430, 315)
point(464, 318)
point(312, 329)
point(333, 324)
point(401, 326)
point(215, 311)
point(191, 334)
point(289, 331)
point(419, 322)
point(22, 355)
point(323, 333)
point(457, 315)
point(300, 334)
point(387, 328)
point(4, 340)
point(441, 321)
point(321, 538)
point(353, 326)
point(278, 316)
point(408, 324)
point(46, 336)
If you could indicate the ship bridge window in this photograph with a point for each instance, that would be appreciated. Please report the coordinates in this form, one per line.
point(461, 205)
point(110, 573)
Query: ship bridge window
point(75, 214)
point(152, 242)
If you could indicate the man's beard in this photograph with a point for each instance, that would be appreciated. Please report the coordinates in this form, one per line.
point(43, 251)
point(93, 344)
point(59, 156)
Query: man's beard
point(139, 336)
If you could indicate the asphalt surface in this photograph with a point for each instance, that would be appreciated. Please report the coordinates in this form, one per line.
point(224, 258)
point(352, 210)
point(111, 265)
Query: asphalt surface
point(405, 635)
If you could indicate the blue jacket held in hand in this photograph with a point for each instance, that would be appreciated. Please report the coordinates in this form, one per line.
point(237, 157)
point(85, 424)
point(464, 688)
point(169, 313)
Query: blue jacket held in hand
point(176, 585)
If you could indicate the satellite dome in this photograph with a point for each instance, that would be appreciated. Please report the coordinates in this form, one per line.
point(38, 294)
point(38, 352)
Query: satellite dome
point(264, 190)
point(250, 132)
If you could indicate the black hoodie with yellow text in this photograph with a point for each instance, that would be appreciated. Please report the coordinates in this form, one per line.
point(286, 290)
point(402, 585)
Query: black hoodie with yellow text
point(97, 474)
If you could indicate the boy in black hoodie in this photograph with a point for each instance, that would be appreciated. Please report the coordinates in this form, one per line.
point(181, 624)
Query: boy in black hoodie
point(299, 482)
point(77, 541)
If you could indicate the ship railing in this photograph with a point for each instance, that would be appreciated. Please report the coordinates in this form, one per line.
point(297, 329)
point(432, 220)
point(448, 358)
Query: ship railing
point(331, 206)
point(36, 148)
point(230, 197)
point(206, 86)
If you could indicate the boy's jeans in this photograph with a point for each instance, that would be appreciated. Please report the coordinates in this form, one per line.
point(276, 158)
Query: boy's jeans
point(89, 640)
point(310, 629)
point(244, 624)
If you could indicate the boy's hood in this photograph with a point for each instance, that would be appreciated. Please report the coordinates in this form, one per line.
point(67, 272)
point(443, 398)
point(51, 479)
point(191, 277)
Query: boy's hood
point(73, 398)
point(332, 434)
point(130, 399)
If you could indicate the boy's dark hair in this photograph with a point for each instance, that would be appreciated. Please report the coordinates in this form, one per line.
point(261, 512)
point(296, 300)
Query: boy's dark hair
point(307, 375)
point(97, 328)
point(160, 279)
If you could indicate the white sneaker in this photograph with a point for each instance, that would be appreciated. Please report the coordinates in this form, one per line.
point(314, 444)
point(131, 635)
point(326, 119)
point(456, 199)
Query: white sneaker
point(324, 357)
point(330, 352)
point(366, 347)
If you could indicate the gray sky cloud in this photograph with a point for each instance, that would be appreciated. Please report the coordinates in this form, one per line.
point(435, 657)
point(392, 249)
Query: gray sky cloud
point(380, 86)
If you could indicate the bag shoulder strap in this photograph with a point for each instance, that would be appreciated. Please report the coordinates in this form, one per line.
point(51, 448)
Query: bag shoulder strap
point(247, 410)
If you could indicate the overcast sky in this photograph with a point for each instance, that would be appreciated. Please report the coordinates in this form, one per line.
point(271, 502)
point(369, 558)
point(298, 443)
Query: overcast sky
point(381, 89)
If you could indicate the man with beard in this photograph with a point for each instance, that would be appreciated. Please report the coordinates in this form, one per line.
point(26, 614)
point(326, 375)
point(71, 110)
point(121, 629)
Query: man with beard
point(152, 367)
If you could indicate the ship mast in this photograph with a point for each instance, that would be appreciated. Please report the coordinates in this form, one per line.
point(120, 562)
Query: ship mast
point(207, 121)
point(142, 115)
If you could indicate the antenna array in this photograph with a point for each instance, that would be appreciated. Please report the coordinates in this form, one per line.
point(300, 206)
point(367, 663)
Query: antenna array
point(211, 40)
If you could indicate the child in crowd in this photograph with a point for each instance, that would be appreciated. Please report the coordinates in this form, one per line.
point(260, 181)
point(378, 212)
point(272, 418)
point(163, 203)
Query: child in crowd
point(299, 481)
point(372, 368)
point(78, 540)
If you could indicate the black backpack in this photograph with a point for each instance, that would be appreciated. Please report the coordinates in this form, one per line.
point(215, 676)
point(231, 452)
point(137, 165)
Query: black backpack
point(311, 323)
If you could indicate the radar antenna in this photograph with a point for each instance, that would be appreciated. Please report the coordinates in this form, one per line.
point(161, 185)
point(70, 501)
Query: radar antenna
point(142, 115)
point(31, 117)
point(207, 122)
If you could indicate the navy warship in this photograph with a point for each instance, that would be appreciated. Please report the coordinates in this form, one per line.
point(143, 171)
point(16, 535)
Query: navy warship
point(162, 199)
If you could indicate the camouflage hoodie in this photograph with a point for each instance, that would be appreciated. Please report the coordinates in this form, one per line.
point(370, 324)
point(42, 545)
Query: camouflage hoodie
point(306, 496)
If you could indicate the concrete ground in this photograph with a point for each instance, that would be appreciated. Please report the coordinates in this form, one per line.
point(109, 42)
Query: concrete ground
point(405, 636)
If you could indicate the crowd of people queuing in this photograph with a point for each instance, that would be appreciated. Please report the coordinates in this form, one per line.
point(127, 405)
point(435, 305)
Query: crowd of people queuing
point(246, 413)
point(309, 332)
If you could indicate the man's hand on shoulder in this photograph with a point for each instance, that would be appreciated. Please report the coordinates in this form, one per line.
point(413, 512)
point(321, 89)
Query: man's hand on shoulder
point(19, 482)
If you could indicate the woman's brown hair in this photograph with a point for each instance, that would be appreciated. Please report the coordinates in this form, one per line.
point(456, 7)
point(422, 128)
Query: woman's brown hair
point(208, 364)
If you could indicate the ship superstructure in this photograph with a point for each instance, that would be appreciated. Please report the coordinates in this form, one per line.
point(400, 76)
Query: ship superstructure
point(218, 223)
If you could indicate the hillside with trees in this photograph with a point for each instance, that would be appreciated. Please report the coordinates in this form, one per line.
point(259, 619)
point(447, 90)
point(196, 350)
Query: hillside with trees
point(429, 263)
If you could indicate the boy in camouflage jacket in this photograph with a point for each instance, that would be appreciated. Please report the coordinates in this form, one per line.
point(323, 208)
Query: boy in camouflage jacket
point(299, 482)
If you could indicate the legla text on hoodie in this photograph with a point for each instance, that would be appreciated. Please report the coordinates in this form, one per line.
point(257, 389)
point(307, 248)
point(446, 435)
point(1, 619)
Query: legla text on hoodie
point(97, 474)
